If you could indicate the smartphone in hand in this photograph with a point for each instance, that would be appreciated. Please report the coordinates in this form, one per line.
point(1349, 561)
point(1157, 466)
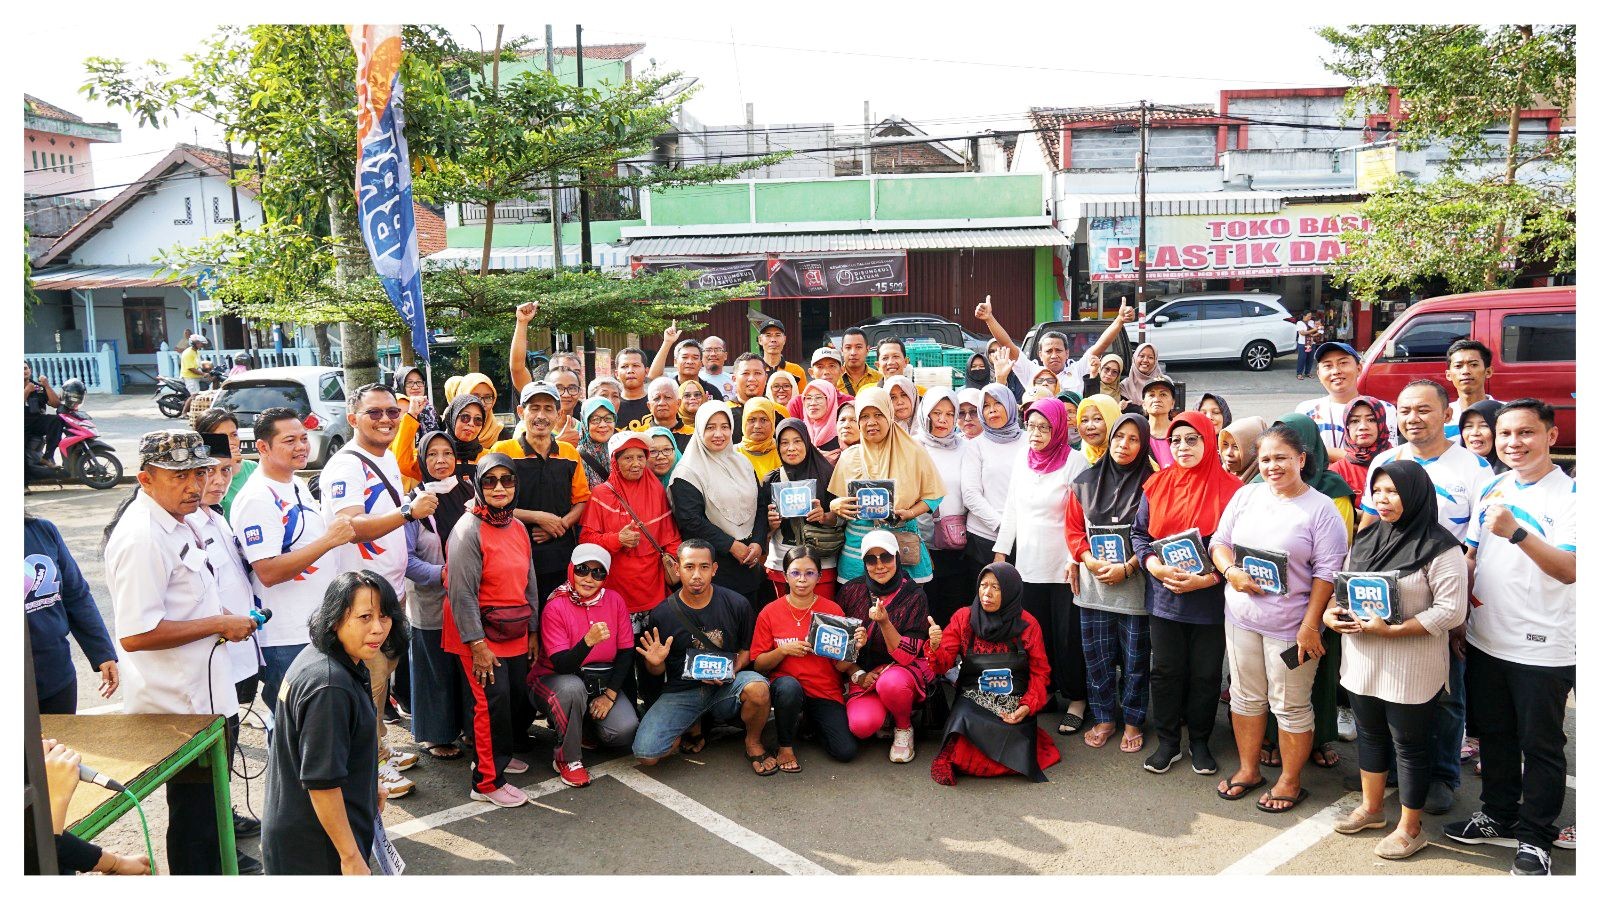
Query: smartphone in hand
point(1291, 657)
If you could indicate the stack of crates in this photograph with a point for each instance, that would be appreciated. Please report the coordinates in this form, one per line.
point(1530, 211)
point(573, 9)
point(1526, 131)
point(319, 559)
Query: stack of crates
point(956, 358)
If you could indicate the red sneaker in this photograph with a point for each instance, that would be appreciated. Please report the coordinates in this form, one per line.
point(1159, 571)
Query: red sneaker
point(573, 774)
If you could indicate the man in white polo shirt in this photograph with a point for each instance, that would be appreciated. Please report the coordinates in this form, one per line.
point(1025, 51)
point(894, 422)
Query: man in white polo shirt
point(1338, 367)
point(1469, 370)
point(1522, 638)
point(293, 550)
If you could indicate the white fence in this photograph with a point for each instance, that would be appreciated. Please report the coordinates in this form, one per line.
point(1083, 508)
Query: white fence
point(168, 364)
point(96, 370)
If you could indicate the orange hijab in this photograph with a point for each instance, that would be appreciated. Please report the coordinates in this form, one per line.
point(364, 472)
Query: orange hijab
point(1181, 498)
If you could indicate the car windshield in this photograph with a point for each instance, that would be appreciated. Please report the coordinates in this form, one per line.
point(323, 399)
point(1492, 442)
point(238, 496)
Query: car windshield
point(247, 400)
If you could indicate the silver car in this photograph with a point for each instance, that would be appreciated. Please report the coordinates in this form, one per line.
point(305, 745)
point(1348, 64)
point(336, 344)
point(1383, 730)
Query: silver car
point(316, 393)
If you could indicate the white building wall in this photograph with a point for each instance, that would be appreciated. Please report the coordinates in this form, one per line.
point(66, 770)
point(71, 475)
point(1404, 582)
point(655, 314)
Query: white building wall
point(182, 210)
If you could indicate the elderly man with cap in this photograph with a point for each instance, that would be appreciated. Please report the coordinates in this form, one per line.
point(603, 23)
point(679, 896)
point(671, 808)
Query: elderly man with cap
point(169, 620)
point(773, 339)
point(1338, 366)
point(827, 364)
point(552, 488)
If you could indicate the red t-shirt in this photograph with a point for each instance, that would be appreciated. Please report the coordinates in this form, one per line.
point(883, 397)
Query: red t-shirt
point(775, 625)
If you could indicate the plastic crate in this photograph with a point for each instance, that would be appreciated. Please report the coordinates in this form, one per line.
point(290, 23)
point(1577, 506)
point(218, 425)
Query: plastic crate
point(921, 355)
point(956, 358)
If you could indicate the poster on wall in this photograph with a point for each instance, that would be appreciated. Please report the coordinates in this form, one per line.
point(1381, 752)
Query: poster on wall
point(837, 275)
point(712, 271)
point(1302, 240)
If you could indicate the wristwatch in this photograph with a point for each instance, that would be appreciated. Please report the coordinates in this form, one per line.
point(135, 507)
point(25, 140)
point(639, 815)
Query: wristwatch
point(406, 511)
point(1518, 535)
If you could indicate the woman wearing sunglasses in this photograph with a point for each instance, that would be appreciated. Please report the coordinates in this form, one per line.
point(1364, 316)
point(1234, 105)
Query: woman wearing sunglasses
point(890, 675)
point(462, 422)
point(801, 681)
point(588, 652)
point(489, 624)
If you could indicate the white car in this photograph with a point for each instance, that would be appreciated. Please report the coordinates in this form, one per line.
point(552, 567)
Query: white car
point(316, 393)
point(1252, 328)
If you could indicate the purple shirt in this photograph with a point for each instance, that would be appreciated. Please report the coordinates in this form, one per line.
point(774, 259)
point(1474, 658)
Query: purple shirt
point(1308, 528)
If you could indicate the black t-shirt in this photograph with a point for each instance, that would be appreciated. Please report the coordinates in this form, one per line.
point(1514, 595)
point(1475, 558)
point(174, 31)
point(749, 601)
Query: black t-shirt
point(545, 485)
point(634, 415)
point(727, 620)
point(34, 403)
point(325, 735)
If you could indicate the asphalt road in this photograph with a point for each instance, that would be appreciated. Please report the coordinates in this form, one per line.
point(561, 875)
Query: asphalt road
point(1100, 812)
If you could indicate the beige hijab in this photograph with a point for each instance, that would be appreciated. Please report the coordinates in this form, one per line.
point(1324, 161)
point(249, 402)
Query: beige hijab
point(725, 479)
point(1247, 431)
point(898, 457)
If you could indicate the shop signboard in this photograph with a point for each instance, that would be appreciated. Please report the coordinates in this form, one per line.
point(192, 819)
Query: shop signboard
point(796, 276)
point(713, 272)
point(1300, 240)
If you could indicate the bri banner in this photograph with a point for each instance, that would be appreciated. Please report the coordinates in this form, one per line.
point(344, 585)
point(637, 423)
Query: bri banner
point(383, 175)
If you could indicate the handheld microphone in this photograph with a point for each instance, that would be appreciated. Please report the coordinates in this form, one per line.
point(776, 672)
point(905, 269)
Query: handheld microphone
point(259, 615)
point(90, 776)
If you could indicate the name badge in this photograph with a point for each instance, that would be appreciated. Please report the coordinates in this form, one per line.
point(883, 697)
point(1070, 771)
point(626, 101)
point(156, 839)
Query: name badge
point(995, 681)
point(708, 667)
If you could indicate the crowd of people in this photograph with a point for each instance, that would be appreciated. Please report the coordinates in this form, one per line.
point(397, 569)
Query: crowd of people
point(642, 558)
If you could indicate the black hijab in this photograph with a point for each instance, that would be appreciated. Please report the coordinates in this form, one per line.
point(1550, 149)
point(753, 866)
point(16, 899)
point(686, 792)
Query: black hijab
point(481, 508)
point(466, 451)
point(1227, 413)
point(977, 378)
point(1005, 623)
point(428, 419)
point(1490, 410)
point(1412, 542)
point(815, 465)
point(452, 505)
point(1109, 492)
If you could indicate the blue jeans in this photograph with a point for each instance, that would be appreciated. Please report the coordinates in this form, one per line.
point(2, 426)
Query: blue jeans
point(1302, 360)
point(1450, 727)
point(675, 711)
point(277, 663)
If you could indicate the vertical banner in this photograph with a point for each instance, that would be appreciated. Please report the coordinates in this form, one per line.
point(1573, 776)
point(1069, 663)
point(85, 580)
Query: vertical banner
point(383, 175)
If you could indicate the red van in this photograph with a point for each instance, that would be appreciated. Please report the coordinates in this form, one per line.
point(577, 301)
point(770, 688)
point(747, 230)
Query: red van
point(1532, 333)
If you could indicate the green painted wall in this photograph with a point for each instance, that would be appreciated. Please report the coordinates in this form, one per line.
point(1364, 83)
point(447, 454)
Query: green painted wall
point(596, 72)
point(701, 204)
point(537, 234)
point(823, 200)
point(835, 200)
point(1046, 304)
point(961, 197)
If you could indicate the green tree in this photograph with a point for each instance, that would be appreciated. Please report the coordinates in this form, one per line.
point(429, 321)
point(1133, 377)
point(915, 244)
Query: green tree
point(1500, 201)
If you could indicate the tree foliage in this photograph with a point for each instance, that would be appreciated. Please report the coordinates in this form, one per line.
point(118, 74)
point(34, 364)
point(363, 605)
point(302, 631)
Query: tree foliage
point(1503, 198)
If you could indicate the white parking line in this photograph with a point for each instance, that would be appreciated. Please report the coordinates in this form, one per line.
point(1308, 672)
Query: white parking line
point(477, 807)
point(1294, 841)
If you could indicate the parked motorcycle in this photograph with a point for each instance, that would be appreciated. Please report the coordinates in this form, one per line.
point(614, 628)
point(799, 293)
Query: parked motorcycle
point(171, 396)
point(85, 457)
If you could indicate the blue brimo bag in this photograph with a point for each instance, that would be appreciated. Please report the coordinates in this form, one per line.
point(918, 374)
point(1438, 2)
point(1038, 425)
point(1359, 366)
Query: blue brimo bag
point(1269, 568)
point(1184, 551)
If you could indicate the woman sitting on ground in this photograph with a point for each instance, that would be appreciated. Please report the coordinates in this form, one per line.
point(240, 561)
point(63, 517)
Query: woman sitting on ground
point(890, 675)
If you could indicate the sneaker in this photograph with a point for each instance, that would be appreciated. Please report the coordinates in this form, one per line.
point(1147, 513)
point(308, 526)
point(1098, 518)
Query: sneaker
point(1347, 724)
point(573, 774)
point(398, 784)
point(1204, 762)
point(249, 865)
point(1480, 829)
point(902, 750)
point(1530, 860)
point(516, 767)
point(1360, 819)
point(244, 826)
point(506, 796)
point(401, 759)
point(1568, 838)
point(1441, 797)
point(1469, 748)
point(1161, 760)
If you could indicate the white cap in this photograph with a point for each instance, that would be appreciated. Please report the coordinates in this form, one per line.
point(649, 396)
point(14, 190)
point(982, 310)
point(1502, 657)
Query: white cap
point(880, 540)
point(823, 353)
point(591, 553)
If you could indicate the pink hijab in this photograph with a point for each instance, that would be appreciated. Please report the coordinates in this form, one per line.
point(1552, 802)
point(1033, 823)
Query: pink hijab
point(1055, 454)
point(828, 428)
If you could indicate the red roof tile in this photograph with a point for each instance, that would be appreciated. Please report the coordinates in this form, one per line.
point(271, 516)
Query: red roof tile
point(37, 107)
point(590, 51)
point(1049, 120)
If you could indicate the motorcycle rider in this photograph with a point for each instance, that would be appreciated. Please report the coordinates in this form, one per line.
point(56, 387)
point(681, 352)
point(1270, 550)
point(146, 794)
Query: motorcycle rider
point(192, 369)
point(38, 397)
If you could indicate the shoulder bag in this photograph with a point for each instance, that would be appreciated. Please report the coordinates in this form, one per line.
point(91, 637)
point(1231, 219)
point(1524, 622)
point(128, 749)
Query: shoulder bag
point(669, 565)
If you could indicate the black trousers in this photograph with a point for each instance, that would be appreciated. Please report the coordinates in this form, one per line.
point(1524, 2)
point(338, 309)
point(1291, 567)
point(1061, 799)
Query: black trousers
point(953, 586)
point(789, 700)
point(192, 847)
point(48, 426)
point(1186, 663)
point(1517, 712)
point(63, 702)
point(1052, 605)
point(1403, 731)
point(499, 713)
point(980, 552)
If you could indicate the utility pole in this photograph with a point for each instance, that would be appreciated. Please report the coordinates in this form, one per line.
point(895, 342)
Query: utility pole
point(749, 132)
point(585, 249)
point(1144, 169)
point(555, 177)
point(866, 137)
point(227, 148)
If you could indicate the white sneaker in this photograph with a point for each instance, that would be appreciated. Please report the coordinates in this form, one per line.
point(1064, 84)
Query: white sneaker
point(1347, 725)
point(398, 784)
point(516, 766)
point(902, 750)
point(400, 759)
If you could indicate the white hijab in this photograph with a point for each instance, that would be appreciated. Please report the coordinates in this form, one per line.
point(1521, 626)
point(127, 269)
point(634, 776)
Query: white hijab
point(726, 479)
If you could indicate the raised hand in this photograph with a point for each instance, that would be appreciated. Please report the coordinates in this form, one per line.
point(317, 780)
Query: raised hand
point(935, 635)
point(653, 648)
point(599, 632)
point(527, 311)
point(985, 310)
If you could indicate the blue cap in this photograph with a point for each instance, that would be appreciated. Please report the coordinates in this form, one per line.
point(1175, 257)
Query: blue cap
point(1330, 346)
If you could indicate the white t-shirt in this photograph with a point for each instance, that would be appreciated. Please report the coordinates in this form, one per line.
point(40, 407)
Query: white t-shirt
point(272, 518)
point(349, 480)
point(1458, 477)
point(1069, 378)
point(157, 569)
point(1519, 613)
point(233, 584)
point(1033, 528)
point(1329, 417)
point(1301, 329)
point(1452, 428)
point(723, 381)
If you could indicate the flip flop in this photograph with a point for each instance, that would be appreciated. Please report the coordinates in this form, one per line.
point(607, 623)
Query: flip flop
point(1325, 751)
point(1272, 764)
point(692, 744)
point(1223, 793)
point(1133, 743)
point(761, 758)
point(444, 751)
point(1090, 737)
point(1292, 801)
point(791, 771)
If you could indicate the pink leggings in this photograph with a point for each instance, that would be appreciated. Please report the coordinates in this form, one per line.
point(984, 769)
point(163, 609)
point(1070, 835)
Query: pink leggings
point(893, 694)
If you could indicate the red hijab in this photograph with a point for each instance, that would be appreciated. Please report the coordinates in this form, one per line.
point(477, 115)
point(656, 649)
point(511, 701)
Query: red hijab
point(1181, 498)
point(645, 494)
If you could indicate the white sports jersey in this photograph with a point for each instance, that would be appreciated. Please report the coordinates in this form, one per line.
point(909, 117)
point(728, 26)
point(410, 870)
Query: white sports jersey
point(1519, 613)
point(1458, 477)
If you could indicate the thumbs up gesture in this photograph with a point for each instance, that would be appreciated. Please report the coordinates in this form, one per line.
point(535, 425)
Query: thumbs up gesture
point(935, 634)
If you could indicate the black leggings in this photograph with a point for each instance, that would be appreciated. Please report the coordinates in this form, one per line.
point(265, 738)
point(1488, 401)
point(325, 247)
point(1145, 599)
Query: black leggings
point(789, 700)
point(1051, 604)
point(1408, 728)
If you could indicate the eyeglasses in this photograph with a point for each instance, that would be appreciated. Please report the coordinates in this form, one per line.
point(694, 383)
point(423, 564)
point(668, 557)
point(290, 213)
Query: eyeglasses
point(568, 389)
point(469, 420)
point(965, 414)
point(804, 574)
point(877, 559)
point(661, 454)
point(377, 415)
point(1037, 429)
point(1185, 440)
point(490, 482)
point(602, 420)
point(590, 570)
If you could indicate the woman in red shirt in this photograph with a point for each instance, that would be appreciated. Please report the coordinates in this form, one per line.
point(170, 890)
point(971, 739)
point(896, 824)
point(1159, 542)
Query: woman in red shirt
point(1366, 434)
point(628, 516)
point(1005, 679)
point(801, 681)
point(489, 623)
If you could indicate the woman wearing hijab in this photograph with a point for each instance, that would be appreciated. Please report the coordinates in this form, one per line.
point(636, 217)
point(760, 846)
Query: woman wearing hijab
point(1187, 637)
point(598, 422)
point(490, 625)
point(936, 432)
point(888, 453)
point(1215, 407)
point(451, 386)
point(436, 682)
point(849, 429)
point(1396, 673)
point(1237, 446)
point(1109, 586)
point(627, 517)
point(969, 412)
point(1034, 523)
point(411, 383)
point(1110, 377)
point(760, 424)
point(716, 497)
point(1477, 432)
point(664, 452)
point(691, 393)
point(903, 400)
point(986, 471)
point(1070, 400)
point(479, 385)
point(782, 388)
point(819, 410)
point(799, 459)
point(1274, 605)
point(1004, 681)
point(1366, 434)
point(462, 422)
point(1096, 414)
point(891, 674)
point(978, 374)
point(580, 678)
point(1146, 366)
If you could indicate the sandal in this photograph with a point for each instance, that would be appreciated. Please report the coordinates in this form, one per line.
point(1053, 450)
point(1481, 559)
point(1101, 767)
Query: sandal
point(1270, 757)
point(1226, 793)
point(1132, 743)
point(756, 759)
point(1292, 801)
point(690, 744)
point(444, 751)
point(1069, 724)
point(1329, 756)
point(790, 768)
point(1096, 738)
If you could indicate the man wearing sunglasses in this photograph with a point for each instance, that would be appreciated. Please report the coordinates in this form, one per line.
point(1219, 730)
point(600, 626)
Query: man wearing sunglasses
point(551, 487)
point(361, 484)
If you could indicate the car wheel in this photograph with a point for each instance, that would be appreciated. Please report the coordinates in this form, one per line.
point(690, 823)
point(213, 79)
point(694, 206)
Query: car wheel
point(1258, 356)
point(334, 445)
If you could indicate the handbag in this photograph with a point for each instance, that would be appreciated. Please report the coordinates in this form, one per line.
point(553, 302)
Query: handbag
point(669, 563)
point(910, 547)
point(950, 532)
point(502, 624)
point(827, 540)
point(596, 678)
